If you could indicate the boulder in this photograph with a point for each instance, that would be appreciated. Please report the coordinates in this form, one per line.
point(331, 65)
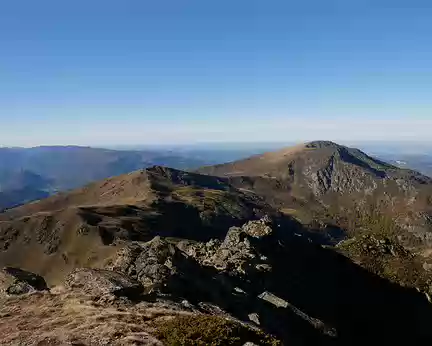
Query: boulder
point(254, 317)
point(15, 281)
point(154, 266)
point(237, 253)
point(260, 228)
point(124, 260)
point(99, 282)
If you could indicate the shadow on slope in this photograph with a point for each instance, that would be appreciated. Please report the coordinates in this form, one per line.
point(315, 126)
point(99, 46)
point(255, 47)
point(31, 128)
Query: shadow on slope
point(321, 296)
point(173, 219)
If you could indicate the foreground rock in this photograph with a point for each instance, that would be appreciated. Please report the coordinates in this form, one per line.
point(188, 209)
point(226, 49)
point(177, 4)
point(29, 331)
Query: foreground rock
point(262, 279)
point(98, 282)
point(15, 281)
point(274, 279)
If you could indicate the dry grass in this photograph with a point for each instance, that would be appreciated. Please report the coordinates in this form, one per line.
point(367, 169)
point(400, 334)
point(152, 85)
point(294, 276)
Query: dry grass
point(284, 154)
point(124, 189)
point(70, 249)
point(64, 317)
point(67, 319)
point(258, 165)
point(202, 330)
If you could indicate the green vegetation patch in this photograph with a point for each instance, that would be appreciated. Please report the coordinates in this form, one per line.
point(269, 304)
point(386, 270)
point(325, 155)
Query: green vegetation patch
point(211, 200)
point(202, 330)
point(385, 257)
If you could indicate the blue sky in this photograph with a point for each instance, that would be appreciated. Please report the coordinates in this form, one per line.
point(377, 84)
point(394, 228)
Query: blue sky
point(136, 72)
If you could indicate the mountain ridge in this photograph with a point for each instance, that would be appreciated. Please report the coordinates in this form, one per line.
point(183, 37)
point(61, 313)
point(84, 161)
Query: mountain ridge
point(69, 227)
point(239, 248)
point(326, 181)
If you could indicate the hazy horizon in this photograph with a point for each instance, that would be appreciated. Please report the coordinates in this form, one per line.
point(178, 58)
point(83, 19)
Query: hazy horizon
point(103, 73)
point(380, 146)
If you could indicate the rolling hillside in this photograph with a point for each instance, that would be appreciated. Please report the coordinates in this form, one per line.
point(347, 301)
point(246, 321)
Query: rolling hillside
point(28, 174)
point(77, 228)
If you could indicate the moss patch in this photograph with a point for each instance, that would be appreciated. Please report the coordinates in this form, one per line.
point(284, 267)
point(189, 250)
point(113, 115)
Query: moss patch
point(201, 330)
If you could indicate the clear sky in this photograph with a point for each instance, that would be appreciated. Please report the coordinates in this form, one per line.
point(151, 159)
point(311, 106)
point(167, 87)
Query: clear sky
point(103, 72)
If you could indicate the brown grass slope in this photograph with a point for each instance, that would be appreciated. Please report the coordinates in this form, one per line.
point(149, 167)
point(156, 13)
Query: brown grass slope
point(86, 226)
point(68, 318)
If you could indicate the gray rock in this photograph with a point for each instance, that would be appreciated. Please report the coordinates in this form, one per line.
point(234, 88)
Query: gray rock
point(239, 290)
point(124, 260)
point(258, 229)
point(254, 317)
point(15, 281)
point(149, 263)
point(235, 255)
point(154, 265)
point(98, 282)
point(264, 267)
point(275, 300)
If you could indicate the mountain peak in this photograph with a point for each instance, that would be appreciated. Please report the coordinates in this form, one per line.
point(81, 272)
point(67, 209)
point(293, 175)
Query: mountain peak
point(273, 163)
point(321, 165)
point(322, 144)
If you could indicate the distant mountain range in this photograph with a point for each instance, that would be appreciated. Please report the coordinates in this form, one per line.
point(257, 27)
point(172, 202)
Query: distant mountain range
point(28, 174)
point(418, 162)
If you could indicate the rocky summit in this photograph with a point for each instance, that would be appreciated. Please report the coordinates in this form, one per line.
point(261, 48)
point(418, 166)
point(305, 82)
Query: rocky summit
point(317, 244)
point(325, 183)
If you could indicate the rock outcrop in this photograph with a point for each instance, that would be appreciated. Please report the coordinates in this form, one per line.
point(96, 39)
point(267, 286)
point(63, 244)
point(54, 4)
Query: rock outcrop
point(273, 278)
point(98, 282)
point(15, 281)
point(236, 255)
point(263, 278)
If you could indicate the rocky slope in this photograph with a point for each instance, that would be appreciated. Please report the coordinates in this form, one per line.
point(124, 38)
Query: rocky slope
point(327, 183)
point(262, 283)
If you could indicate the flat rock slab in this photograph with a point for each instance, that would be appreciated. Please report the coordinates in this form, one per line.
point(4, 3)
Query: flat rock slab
point(272, 299)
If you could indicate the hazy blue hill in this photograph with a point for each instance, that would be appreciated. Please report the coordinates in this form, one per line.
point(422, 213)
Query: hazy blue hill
point(27, 174)
point(17, 187)
point(418, 162)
